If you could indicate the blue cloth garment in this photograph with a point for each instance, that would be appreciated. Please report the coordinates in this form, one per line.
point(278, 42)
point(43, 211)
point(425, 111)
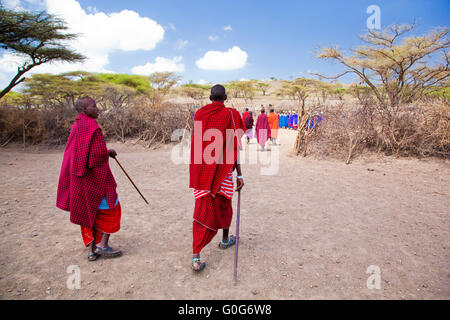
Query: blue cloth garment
point(104, 204)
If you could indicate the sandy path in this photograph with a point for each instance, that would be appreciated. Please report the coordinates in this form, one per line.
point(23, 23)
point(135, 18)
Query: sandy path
point(309, 231)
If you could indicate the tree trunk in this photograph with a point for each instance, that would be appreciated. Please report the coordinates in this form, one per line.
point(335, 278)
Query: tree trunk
point(14, 82)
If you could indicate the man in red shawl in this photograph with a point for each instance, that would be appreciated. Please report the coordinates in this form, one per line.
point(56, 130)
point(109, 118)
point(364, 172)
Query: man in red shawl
point(262, 129)
point(211, 171)
point(86, 185)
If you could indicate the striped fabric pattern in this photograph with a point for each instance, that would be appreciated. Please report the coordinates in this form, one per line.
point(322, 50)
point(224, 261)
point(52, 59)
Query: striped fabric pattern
point(226, 188)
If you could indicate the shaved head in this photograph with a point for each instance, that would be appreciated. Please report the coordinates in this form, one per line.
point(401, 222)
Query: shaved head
point(83, 103)
point(218, 93)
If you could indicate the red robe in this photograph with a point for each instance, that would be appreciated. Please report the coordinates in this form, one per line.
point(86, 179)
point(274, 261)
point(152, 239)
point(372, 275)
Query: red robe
point(212, 211)
point(204, 176)
point(262, 129)
point(85, 174)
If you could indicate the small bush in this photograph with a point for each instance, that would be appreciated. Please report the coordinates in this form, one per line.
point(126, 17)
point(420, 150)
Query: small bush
point(419, 130)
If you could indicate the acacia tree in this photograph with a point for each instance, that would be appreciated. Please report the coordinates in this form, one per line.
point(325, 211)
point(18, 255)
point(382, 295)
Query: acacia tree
point(61, 90)
point(162, 83)
point(299, 90)
point(263, 87)
point(246, 90)
point(194, 91)
point(397, 69)
point(35, 36)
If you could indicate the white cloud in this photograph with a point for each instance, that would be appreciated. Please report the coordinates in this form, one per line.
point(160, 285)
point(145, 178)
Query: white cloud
point(9, 62)
point(99, 35)
point(125, 30)
point(92, 9)
point(232, 59)
point(213, 38)
point(11, 4)
point(227, 28)
point(202, 82)
point(161, 65)
point(181, 44)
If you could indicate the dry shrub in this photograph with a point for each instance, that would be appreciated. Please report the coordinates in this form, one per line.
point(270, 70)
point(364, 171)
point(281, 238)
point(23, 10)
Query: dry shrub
point(25, 125)
point(343, 132)
point(151, 124)
point(418, 130)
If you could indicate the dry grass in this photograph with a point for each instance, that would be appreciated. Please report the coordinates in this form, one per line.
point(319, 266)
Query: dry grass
point(418, 130)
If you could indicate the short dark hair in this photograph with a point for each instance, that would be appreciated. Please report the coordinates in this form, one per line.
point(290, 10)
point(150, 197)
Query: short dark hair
point(218, 93)
point(82, 103)
point(272, 110)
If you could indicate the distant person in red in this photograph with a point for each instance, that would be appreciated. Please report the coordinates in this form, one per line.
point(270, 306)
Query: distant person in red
point(86, 184)
point(211, 177)
point(262, 129)
point(248, 122)
point(245, 114)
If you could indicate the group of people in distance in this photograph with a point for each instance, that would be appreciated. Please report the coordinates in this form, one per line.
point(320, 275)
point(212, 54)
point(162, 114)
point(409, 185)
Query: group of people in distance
point(266, 126)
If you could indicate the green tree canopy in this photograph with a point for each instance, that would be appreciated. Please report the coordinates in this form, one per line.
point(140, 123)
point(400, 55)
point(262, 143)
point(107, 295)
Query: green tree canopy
point(140, 83)
point(38, 37)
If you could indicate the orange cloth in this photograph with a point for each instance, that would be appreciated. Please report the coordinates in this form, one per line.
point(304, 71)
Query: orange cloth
point(106, 221)
point(273, 124)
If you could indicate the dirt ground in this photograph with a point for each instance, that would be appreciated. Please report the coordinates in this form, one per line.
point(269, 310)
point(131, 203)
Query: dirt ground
point(308, 232)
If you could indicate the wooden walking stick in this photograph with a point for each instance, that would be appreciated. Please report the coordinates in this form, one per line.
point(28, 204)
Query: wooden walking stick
point(237, 237)
point(115, 158)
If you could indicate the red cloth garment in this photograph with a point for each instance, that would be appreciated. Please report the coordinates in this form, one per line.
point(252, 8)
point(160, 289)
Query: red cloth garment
point(214, 117)
point(106, 221)
point(210, 215)
point(213, 212)
point(85, 176)
point(262, 129)
point(244, 115)
point(226, 188)
point(248, 122)
point(201, 237)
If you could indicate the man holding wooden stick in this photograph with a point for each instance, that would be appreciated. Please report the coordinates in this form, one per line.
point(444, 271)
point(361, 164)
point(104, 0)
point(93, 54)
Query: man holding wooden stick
point(87, 187)
point(214, 157)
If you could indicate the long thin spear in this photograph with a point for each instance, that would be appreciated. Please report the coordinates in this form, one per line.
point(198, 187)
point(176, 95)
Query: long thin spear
point(115, 158)
point(237, 237)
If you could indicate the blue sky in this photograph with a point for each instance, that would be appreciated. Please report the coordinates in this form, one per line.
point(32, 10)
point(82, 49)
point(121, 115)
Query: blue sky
point(273, 38)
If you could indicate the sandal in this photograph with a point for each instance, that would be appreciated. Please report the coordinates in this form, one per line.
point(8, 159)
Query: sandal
point(108, 252)
point(201, 265)
point(92, 256)
point(226, 245)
